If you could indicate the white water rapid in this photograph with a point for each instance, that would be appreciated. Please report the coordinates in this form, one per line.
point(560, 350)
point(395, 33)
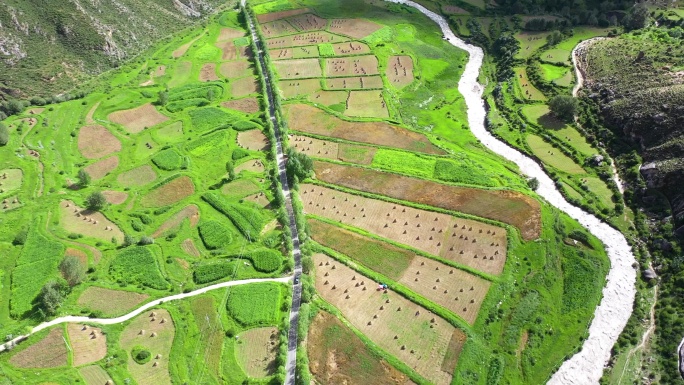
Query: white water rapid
point(610, 317)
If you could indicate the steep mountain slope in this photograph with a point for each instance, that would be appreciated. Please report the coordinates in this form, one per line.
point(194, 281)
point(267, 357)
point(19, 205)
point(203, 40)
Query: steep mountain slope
point(47, 46)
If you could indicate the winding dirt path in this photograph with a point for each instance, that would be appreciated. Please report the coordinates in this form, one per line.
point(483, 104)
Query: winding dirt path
point(615, 308)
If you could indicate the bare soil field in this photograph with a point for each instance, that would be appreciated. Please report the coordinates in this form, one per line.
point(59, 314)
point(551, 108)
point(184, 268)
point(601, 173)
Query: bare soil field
point(74, 219)
point(356, 28)
point(328, 98)
point(160, 71)
point(10, 180)
point(252, 140)
point(110, 302)
point(88, 344)
point(100, 169)
point(298, 68)
point(369, 104)
point(139, 118)
point(471, 243)
point(268, 17)
point(309, 38)
point(169, 193)
point(189, 247)
point(190, 212)
point(138, 176)
point(351, 48)
point(295, 88)
point(80, 254)
point(227, 34)
point(245, 52)
point(153, 330)
point(308, 119)
point(256, 351)
point(94, 375)
point(243, 87)
point(228, 50)
point(319, 148)
point(294, 52)
point(354, 83)
point(337, 356)
point(402, 328)
point(208, 73)
point(96, 142)
point(251, 165)
point(400, 71)
point(180, 51)
point(351, 66)
point(277, 28)
point(50, 352)
point(115, 197)
point(506, 206)
point(235, 69)
point(307, 22)
point(246, 105)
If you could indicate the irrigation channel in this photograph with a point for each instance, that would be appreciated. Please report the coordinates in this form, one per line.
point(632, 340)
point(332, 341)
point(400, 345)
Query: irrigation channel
point(611, 315)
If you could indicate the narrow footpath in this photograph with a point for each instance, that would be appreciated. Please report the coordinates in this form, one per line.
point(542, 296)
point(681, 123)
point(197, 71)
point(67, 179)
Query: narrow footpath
point(290, 365)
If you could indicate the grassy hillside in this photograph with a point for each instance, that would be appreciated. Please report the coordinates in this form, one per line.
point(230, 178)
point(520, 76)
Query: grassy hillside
point(46, 47)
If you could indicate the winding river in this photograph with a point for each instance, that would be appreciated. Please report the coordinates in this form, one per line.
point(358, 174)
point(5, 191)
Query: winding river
point(615, 308)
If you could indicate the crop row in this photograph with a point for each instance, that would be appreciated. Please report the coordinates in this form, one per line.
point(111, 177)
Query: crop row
point(249, 221)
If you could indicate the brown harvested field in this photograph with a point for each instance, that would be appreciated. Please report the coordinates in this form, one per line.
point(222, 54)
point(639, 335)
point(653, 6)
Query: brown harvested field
point(351, 48)
point(478, 245)
point(369, 104)
point(153, 330)
point(228, 50)
point(96, 142)
point(80, 254)
point(295, 88)
point(257, 350)
point(94, 375)
point(169, 193)
point(404, 329)
point(308, 119)
point(400, 71)
point(243, 87)
point(89, 116)
point(208, 73)
point(88, 344)
point(180, 51)
point(235, 69)
point(268, 17)
point(309, 38)
point(351, 66)
point(74, 219)
point(308, 22)
point(245, 52)
point(100, 169)
point(337, 356)
point(138, 176)
point(328, 98)
point(109, 301)
point(310, 51)
point(240, 188)
point(251, 165)
point(277, 28)
point(246, 105)
point(252, 140)
point(356, 28)
point(190, 212)
point(454, 10)
point(319, 148)
point(189, 247)
point(160, 71)
point(227, 34)
point(507, 206)
point(298, 68)
point(354, 83)
point(115, 197)
point(458, 291)
point(260, 199)
point(50, 352)
point(139, 118)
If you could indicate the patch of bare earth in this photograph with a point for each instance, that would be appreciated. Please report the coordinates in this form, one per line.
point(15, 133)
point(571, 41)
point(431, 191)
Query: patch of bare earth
point(50, 352)
point(109, 301)
point(96, 142)
point(208, 73)
point(190, 212)
point(228, 50)
point(139, 118)
point(88, 344)
point(80, 254)
point(169, 193)
point(115, 197)
point(100, 169)
point(506, 206)
point(227, 34)
point(246, 105)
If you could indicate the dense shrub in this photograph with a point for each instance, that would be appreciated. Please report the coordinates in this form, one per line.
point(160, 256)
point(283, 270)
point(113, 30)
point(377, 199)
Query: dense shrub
point(214, 235)
point(96, 201)
point(265, 260)
point(206, 118)
point(214, 271)
point(73, 270)
point(141, 355)
point(137, 265)
point(254, 305)
point(239, 153)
